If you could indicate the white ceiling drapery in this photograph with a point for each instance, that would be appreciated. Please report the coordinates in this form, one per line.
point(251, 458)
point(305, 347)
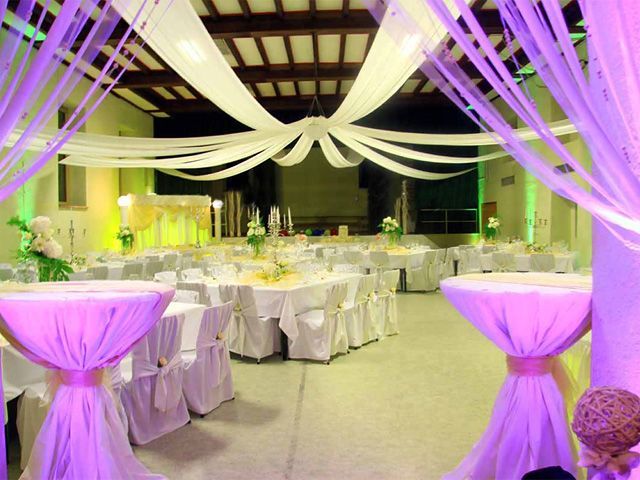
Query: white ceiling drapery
point(191, 52)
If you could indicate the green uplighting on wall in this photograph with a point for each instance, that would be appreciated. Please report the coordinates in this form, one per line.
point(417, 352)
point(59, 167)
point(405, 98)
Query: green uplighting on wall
point(481, 190)
point(530, 201)
point(12, 21)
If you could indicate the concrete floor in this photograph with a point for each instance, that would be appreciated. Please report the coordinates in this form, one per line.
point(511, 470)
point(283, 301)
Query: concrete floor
point(407, 407)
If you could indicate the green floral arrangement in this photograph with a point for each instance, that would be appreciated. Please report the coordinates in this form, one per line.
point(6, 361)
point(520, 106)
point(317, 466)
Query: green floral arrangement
point(536, 248)
point(39, 246)
point(256, 235)
point(392, 230)
point(78, 262)
point(125, 235)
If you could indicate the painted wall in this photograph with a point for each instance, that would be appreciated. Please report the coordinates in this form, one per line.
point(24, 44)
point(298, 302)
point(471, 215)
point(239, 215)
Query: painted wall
point(316, 189)
point(95, 225)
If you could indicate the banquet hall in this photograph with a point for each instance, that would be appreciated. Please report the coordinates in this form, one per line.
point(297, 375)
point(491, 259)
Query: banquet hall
point(311, 239)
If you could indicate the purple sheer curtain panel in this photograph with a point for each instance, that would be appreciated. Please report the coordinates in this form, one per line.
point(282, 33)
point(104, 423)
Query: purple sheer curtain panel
point(38, 76)
point(602, 105)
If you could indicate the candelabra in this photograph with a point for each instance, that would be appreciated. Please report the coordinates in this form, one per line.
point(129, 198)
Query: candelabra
point(290, 229)
point(535, 222)
point(274, 229)
point(72, 235)
point(198, 216)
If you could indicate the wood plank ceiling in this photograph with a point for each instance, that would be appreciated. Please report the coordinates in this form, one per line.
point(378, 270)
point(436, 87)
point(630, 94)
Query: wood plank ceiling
point(286, 52)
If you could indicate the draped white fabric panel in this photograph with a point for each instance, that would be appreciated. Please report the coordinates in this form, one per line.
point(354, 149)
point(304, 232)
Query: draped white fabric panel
point(191, 52)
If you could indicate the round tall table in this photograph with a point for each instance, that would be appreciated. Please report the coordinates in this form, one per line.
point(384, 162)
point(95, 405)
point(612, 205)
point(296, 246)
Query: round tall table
point(77, 329)
point(532, 317)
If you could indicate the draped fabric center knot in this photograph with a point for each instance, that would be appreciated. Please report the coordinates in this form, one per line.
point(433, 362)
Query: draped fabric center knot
point(530, 366)
point(317, 129)
point(81, 378)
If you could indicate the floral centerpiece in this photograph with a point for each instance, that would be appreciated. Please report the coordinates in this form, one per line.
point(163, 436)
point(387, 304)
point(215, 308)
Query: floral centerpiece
point(392, 230)
point(125, 235)
point(492, 229)
point(536, 248)
point(256, 235)
point(274, 271)
point(39, 247)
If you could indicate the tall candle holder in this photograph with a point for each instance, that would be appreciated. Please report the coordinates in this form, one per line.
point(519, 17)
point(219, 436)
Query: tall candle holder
point(535, 222)
point(198, 216)
point(274, 229)
point(290, 229)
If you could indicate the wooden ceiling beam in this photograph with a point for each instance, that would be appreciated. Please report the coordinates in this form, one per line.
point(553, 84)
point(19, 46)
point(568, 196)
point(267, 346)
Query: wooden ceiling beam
point(211, 8)
point(279, 8)
point(260, 74)
point(324, 23)
point(246, 11)
point(302, 103)
point(345, 8)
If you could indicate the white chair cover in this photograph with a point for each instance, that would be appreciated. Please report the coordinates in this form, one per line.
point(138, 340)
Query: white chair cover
point(200, 288)
point(132, 271)
point(424, 279)
point(153, 399)
point(543, 262)
point(207, 377)
point(439, 267)
point(503, 262)
point(170, 261)
point(249, 335)
point(169, 278)
point(99, 273)
point(151, 268)
point(361, 316)
point(322, 333)
point(388, 310)
point(470, 261)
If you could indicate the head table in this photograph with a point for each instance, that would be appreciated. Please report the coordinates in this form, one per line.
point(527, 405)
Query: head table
point(77, 329)
point(532, 317)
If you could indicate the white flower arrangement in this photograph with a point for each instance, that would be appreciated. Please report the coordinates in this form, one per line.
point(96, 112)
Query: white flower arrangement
point(125, 235)
point(274, 271)
point(492, 228)
point(39, 245)
point(391, 229)
point(256, 235)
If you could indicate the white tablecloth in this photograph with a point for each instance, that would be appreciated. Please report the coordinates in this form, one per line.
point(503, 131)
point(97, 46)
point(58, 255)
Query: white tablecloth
point(532, 317)
point(18, 372)
point(565, 263)
point(286, 303)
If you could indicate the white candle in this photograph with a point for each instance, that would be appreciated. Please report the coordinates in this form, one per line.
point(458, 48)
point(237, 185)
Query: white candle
point(257, 215)
point(289, 209)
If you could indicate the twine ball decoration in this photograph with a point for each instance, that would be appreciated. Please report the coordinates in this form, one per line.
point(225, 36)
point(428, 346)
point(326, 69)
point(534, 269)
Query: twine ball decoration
point(607, 420)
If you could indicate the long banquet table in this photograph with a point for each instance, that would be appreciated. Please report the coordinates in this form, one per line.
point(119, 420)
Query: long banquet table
point(533, 318)
point(290, 296)
point(565, 263)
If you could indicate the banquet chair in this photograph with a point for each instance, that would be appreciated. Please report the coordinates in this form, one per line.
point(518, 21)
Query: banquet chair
point(356, 257)
point(452, 256)
point(132, 271)
point(34, 405)
point(380, 261)
point(207, 378)
point(185, 260)
point(423, 278)
point(192, 274)
point(322, 333)
point(503, 262)
point(249, 334)
point(543, 262)
point(186, 296)
point(152, 393)
point(320, 253)
point(152, 258)
point(169, 262)
point(469, 261)
point(6, 274)
point(169, 278)
point(441, 255)
point(361, 316)
point(99, 273)
point(199, 287)
point(388, 307)
point(151, 268)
